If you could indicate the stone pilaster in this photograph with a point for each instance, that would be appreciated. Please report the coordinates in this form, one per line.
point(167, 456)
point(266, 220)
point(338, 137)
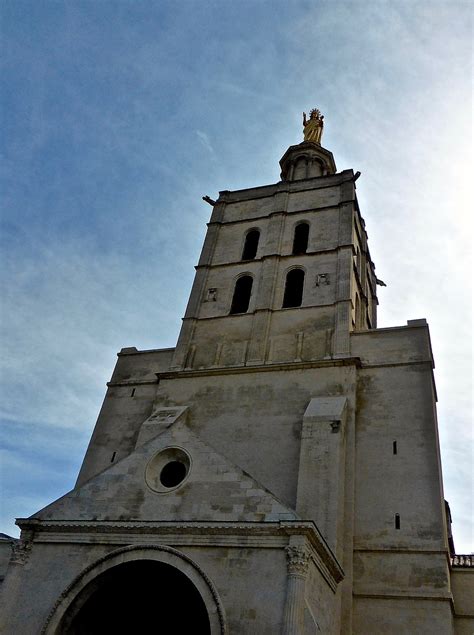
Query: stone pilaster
point(343, 306)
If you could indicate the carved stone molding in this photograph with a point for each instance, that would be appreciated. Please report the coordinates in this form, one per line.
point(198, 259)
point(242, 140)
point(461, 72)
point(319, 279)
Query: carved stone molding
point(298, 560)
point(322, 278)
point(85, 531)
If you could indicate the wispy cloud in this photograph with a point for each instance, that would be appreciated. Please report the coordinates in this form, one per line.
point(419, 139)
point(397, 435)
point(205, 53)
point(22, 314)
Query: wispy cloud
point(204, 138)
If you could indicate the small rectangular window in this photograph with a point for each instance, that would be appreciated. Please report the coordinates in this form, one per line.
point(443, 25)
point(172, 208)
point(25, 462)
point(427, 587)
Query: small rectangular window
point(397, 521)
point(113, 457)
point(395, 447)
point(132, 394)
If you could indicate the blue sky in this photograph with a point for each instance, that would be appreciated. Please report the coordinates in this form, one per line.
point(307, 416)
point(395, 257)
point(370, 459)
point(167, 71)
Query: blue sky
point(118, 116)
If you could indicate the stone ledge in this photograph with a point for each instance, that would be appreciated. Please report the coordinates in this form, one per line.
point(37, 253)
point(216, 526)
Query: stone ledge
point(255, 368)
point(207, 531)
point(305, 210)
point(443, 597)
point(265, 191)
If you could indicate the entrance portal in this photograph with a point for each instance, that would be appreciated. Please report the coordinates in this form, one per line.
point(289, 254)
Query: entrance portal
point(140, 596)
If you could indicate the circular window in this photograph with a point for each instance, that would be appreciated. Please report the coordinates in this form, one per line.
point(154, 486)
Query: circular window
point(167, 470)
point(173, 474)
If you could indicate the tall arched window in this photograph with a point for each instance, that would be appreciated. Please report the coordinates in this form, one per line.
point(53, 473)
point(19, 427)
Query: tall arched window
point(251, 245)
point(242, 293)
point(293, 288)
point(300, 240)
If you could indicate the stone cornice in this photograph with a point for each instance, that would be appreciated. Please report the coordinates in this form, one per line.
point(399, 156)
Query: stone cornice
point(132, 350)
point(131, 382)
point(269, 309)
point(270, 367)
point(277, 212)
point(318, 252)
point(265, 191)
point(444, 597)
point(236, 370)
point(399, 550)
point(79, 530)
point(419, 362)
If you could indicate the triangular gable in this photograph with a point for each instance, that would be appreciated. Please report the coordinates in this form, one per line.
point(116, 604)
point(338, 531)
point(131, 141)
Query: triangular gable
point(214, 490)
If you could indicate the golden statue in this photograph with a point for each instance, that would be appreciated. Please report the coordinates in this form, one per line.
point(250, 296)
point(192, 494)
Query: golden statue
point(313, 127)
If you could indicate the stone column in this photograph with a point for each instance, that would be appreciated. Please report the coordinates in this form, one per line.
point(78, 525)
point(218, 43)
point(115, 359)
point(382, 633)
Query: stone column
point(298, 563)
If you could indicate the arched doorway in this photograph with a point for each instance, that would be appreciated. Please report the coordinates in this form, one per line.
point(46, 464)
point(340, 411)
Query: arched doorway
point(139, 589)
point(141, 596)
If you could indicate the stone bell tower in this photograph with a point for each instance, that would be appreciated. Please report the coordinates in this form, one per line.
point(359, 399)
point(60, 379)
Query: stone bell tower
point(306, 232)
point(239, 474)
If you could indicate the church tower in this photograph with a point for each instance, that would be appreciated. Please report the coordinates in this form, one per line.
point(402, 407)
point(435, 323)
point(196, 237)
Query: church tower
point(276, 472)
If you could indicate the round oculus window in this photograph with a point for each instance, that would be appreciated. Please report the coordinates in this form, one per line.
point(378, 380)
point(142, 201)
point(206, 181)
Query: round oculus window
point(167, 470)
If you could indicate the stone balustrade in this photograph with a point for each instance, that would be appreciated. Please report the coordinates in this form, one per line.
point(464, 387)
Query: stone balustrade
point(462, 560)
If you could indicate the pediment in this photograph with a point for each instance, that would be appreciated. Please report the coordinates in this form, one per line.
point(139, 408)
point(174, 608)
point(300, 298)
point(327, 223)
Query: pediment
point(213, 489)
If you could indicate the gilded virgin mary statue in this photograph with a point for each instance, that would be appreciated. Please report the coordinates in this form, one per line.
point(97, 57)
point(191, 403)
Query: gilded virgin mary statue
point(313, 127)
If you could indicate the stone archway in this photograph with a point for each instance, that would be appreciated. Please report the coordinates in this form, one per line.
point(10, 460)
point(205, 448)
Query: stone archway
point(139, 590)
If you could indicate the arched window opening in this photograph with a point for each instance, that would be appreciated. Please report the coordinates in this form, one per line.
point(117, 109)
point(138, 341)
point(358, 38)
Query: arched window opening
point(293, 288)
point(300, 240)
point(242, 293)
point(251, 245)
point(124, 598)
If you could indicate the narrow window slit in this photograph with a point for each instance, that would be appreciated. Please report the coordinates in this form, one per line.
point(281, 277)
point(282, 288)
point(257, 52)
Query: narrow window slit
point(395, 451)
point(113, 457)
point(132, 394)
point(397, 521)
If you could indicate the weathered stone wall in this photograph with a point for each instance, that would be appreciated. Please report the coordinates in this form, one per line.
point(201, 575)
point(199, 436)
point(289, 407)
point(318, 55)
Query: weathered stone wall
point(51, 569)
point(462, 586)
point(400, 537)
point(332, 280)
point(255, 418)
point(250, 579)
point(127, 403)
point(399, 615)
point(31, 590)
point(6, 547)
